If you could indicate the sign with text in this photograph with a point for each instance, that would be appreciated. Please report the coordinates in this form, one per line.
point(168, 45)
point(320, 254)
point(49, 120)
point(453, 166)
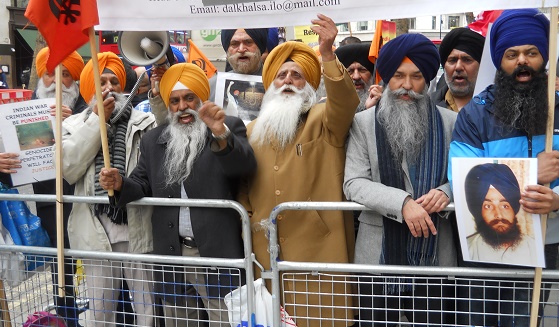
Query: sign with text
point(143, 15)
point(28, 129)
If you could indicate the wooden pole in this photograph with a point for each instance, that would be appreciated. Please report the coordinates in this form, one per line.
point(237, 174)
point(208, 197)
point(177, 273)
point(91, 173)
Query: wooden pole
point(59, 190)
point(100, 107)
point(6, 320)
point(548, 148)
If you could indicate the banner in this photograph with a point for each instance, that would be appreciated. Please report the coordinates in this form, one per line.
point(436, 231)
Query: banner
point(143, 15)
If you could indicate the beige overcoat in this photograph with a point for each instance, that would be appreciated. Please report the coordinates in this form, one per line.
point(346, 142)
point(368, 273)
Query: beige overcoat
point(310, 168)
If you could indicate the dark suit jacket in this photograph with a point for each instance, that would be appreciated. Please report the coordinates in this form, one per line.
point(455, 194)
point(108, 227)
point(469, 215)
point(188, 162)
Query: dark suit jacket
point(215, 175)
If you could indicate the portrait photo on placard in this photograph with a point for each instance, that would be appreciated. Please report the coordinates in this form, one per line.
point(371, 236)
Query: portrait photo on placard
point(492, 225)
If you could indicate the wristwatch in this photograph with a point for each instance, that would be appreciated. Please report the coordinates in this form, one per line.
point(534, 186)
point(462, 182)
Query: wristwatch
point(223, 135)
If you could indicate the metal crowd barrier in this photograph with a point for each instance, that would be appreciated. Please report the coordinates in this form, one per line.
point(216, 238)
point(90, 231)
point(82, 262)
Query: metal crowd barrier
point(451, 299)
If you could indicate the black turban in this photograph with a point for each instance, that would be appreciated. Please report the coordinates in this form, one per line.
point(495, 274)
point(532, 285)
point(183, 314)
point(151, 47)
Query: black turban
point(258, 35)
point(463, 39)
point(481, 177)
point(418, 48)
point(355, 52)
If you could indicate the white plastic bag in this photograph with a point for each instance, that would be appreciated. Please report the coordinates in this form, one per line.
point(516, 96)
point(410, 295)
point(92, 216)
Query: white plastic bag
point(236, 303)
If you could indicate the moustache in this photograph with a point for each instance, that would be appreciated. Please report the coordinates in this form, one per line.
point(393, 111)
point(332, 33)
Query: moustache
point(359, 82)
point(500, 221)
point(523, 69)
point(412, 94)
point(288, 87)
point(239, 55)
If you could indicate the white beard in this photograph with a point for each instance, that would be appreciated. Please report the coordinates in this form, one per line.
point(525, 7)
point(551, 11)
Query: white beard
point(405, 122)
point(69, 94)
point(185, 143)
point(280, 115)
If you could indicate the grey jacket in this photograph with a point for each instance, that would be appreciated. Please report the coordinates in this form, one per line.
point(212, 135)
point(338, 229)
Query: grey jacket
point(81, 142)
point(362, 185)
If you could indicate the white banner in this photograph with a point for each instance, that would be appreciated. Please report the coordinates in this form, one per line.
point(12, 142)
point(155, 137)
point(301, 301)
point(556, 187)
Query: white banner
point(162, 15)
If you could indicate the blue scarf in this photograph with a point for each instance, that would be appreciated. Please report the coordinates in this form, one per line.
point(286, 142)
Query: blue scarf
point(430, 172)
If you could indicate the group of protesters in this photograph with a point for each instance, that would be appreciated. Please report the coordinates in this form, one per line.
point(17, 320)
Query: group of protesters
point(387, 146)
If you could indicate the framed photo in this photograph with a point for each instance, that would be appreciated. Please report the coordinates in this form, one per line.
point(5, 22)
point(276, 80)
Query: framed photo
point(239, 95)
point(492, 225)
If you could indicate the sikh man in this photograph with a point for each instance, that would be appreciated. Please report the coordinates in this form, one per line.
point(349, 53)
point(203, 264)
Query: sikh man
point(100, 227)
point(72, 103)
point(201, 153)
point(508, 120)
point(460, 53)
point(300, 150)
point(355, 57)
point(396, 166)
point(493, 198)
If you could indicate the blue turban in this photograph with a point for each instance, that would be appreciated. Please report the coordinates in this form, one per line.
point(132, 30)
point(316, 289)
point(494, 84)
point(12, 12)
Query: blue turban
point(421, 51)
point(481, 177)
point(258, 35)
point(519, 27)
point(272, 39)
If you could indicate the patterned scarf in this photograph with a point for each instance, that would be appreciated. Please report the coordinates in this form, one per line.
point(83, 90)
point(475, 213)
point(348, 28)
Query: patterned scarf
point(430, 173)
point(117, 151)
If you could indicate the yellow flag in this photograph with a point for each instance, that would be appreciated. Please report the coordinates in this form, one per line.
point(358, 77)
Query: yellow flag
point(198, 58)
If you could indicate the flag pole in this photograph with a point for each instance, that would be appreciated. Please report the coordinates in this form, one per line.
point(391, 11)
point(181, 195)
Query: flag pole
point(59, 190)
point(100, 107)
point(548, 148)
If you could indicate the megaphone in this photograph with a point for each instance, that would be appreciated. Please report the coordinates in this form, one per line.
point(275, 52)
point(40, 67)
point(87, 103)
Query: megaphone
point(145, 48)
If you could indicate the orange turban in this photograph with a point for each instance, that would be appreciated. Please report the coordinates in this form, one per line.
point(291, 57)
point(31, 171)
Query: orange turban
point(107, 60)
point(74, 63)
point(190, 76)
point(301, 54)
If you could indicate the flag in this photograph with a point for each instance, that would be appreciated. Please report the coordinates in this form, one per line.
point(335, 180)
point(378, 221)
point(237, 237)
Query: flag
point(483, 19)
point(384, 32)
point(64, 24)
point(198, 58)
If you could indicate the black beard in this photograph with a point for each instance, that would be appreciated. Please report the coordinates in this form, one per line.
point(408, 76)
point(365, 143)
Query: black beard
point(497, 239)
point(522, 106)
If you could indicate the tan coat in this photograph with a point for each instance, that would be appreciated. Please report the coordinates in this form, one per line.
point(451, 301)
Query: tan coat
point(309, 169)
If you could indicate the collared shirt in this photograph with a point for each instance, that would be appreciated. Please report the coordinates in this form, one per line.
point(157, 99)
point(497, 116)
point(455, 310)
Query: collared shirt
point(185, 224)
point(450, 101)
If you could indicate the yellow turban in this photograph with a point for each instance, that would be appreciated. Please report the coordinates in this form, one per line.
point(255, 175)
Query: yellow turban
point(107, 60)
point(190, 76)
point(301, 54)
point(74, 63)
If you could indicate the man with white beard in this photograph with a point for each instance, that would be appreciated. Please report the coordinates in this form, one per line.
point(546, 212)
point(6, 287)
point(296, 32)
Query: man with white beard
point(355, 58)
point(299, 147)
point(101, 227)
point(201, 153)
point(396, 166)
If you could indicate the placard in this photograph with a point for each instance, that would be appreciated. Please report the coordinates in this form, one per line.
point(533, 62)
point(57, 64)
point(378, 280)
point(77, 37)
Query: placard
point(239, 95)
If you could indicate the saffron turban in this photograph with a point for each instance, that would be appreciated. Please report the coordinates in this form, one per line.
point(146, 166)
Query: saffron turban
point(418, 48)
point(355, 52)
point(74, 63)
point(107, 60)
point(519, 27)
point(481, 177)
point(190, 75)
point(258, 35)
point(297, 52)
point(462, 39)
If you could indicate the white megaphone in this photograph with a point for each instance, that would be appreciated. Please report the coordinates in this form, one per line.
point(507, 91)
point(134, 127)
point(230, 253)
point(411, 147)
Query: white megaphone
point(145, 48)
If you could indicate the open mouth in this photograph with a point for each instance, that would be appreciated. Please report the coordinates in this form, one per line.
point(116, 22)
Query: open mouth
point(186, 118)
point(523, 76)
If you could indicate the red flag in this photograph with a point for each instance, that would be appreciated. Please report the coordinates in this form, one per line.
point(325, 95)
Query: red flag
point(384, 32)
point(198, 58)
point(483, 19)
point(64, 24)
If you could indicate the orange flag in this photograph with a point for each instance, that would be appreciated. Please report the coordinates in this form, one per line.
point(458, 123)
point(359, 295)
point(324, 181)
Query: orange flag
point(384, 32)
point(198, 58)
point(64, 24)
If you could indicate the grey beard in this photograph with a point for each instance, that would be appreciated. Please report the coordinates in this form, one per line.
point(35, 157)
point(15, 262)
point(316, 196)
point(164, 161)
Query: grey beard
point(363, 94)
point(184, 145)
point(280, 115)
point(245, 67)
point(406, 122)
point(69, 94)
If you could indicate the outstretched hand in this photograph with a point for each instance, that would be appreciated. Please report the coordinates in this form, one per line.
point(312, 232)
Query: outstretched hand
point(326, 30)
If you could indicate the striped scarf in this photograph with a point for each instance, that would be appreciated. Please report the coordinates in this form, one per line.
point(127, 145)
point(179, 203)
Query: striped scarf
point(117, 151)
point(430, 173)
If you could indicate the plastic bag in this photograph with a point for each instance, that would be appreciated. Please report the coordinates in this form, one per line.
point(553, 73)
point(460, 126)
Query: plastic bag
point(43, 318)
point(236, 303)
point(19, 227)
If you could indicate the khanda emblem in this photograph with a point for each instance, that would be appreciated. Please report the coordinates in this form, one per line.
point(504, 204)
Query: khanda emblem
point(63, 8)
point(200, 63)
